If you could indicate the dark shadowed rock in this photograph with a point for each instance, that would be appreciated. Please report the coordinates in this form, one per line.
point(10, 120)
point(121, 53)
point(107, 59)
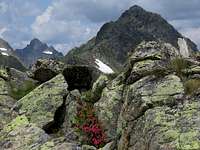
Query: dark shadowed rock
point(45, 69)
point(78, 77)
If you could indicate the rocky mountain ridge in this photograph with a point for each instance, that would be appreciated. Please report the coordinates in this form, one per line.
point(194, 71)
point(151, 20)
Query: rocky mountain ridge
point(116, 39)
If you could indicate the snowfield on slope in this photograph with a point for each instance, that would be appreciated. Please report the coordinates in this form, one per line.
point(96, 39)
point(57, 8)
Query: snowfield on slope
point(103, 67)
point(48, 52)
point(3, 49)
point(5, 54)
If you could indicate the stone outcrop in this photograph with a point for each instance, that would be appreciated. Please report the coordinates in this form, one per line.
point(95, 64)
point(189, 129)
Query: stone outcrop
point(41, 103)
point(152, 108)
point(152, 104)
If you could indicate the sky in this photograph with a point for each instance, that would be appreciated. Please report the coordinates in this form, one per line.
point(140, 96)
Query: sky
point(69, 23)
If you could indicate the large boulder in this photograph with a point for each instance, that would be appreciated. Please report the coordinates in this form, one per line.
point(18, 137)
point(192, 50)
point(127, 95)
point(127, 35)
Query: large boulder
point(45, 69)
point(41, 103)
point(109, 105)
point(20, 84)
point(98, 87)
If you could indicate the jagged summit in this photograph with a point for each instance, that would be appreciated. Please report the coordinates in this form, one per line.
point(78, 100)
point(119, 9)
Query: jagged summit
point(116, 39)
point(134, 9)
point(35, 50)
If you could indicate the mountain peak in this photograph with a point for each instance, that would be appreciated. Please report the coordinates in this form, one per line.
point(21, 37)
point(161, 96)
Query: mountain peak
point(35, 50)
point(136, 8)
point(116, 39)
point(35, 41)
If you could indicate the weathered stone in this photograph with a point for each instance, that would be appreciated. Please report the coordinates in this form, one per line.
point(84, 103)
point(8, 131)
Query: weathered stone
point(151, 91)
point(41, 103)
point(154, 51)
point(164, 128)
point(6, 103)
point(59, 144)
point(98, 87)
point(45, 69)
point(19, 83)
point(6, 114)
point(109, 105)
point(21, 135)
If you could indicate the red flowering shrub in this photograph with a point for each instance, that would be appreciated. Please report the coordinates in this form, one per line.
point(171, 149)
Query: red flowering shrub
point(88, 125)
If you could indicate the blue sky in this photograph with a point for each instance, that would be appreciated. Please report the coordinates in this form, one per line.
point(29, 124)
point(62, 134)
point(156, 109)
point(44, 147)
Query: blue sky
point(69, 23)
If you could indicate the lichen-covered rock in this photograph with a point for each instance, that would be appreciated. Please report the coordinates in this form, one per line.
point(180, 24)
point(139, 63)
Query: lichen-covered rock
point(150, 58)
point(164, 128)
point(109, 105)
point(41, 103)
point(3, 73)
point(147, 93)
point(3, 87)
point(6, 103)
point(20, 84)
point(98, 87)
point(154, 51)
point(21, 135)
point(59, 144)
point(45, 69)
point(6, 114)
point(192, 71)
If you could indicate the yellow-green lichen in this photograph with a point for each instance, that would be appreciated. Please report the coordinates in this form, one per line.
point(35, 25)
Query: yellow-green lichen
point(47, 146)
point(18, 121)
point(171, 135)
point(189, 141)
point(40, 104)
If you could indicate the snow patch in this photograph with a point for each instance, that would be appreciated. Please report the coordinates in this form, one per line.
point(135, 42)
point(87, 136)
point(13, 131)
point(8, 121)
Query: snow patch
point(48, 52)
point(103, 67)
point(183, 47)
point(5, 54)
point(3, 49)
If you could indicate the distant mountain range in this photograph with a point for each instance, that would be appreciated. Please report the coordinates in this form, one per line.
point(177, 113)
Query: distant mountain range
point(7, 56)
point(116, 40)
point(24, 58)
point(35, 50)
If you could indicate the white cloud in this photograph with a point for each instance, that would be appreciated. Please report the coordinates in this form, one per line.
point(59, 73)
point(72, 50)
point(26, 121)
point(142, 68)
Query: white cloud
point(2, 31)
point(3, 7)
